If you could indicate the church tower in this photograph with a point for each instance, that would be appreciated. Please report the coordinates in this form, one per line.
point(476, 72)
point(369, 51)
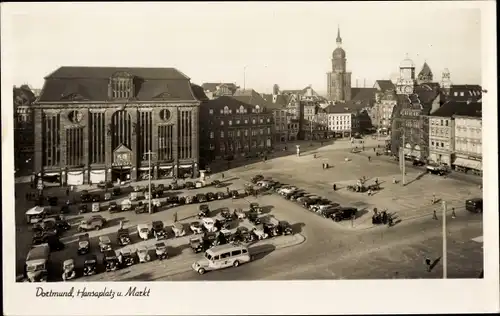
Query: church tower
point(446, 81)
point(406, 81)
point(425, 75)
point(339, 80)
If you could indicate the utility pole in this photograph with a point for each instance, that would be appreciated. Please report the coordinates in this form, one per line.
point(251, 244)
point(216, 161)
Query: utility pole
point(244, 77)
point(445, 259)
point(149, 153)
point(403, 169)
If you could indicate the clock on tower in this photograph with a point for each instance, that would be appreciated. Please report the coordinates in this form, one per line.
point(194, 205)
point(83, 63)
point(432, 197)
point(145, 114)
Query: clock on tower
point(408, 89)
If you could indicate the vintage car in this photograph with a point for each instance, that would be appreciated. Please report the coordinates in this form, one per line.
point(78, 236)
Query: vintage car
point(90, 265)
point(221, 223)
point(311, 201)
point(287, 190)
point(225, 213)
point(190, 199)
point(242, 234)
point(182, 200)
point(143, 254)
point(199, 184)
point(126, 205)
point(437, 169)
point(221, 195)
point(203, 211)
point(210, 196)
point(116, 191)
point(95, 198)
point(95, 222)
point(107, 196)
point(161, 250)
point(68, 269)
point(178, 230)
point(344, 213)
point(173, 200)
point(127, 256)
point(105, 185)
point(284, 228)
point(196, 227)
point(328, 212)
point(234, 194)
point(294, 196)
point(217, 184)
point(83, 244)
point(238, 213)
point(52, 200)
point(58, 222)
point(113, 207)
point(139, 188)
point(52, 240)
point(96, 207)
point(159, 230)
point(255, 207)
point(83, 208)
point(47, 227)
point(85, 196)
point(201, 198)
point(210, 240)
point(270, 225)
point(136, 195)
point(104, 243)
point(259, 232)
point(141, 208)
point(110, 260)
point(144, 231)
point(320, 205)
point(224, 236)
point(189, 185)
point(123, 237)
point(253, 217)
point(209, 224)
point(64, 209)
point(196, 244)
point(257, 178)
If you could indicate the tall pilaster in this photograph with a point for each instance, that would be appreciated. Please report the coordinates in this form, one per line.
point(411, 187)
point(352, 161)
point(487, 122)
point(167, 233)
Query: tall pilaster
point(195, 140)
point(155, 113)
point(175, 138)
point(134, 143)
point(108, 155)
point(86, 162)
point(38, 140)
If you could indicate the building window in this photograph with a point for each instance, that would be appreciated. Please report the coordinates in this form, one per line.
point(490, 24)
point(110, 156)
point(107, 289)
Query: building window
point(212, 135)
point(446, 122)
point(253, 121)
point(261, 131)
point(122, 86)
point(462, 94)
point(237, 122)
point(269, 129)
point(238, 133)
point(257, 109)
point(442, 145)
point(221, 111)
point(230, 122)
point(242, 109)
point(246, 132)
point(226, 110)
point(432, 143)
point(211, 111)
point(441, 122)
point(221, 122)
point(221, 134)
point(246, 121)
point(261, 121)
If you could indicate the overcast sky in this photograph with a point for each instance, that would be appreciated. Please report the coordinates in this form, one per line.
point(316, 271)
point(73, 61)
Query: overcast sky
point(285, 43)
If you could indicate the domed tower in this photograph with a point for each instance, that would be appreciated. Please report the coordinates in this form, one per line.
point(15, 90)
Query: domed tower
point(425, 75)
point(276, 89)
point(339, 80)
point(406, 81)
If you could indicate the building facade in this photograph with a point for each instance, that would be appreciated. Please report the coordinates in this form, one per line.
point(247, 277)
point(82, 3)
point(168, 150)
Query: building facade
point(340, 120)
point(230, 128)
point(339, 79)
point(385, 101)
point(468, 139)
point(97, 124)
point(441, 138)
point(23, 129)
point(214, 90)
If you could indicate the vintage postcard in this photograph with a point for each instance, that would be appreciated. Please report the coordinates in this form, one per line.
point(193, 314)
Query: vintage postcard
point(249, 158)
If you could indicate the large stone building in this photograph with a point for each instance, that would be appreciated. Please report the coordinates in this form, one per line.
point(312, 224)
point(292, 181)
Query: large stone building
point(410, 125)
point(340, 121)
point(339, 79)
point(23, 129)
point(231, 127)
point(214, 90)
point(385, 101)
point(468, 138)
point(98, 123)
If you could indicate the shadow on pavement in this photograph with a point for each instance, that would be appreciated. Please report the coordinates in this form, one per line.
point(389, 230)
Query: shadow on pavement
point(297, 227)
point(434, 263)
point(145, 276)
point(360, 213)
point(260, 251)
point(176, 251)
point(267, 209)
point(115, 221)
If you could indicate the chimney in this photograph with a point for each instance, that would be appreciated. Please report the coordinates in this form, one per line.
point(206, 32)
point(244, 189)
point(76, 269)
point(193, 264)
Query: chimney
point(356, 83)
point(364, 83)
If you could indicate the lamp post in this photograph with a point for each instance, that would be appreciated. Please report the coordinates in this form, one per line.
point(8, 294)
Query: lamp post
point(149, 153)
point(445, 258)
point(244, 77)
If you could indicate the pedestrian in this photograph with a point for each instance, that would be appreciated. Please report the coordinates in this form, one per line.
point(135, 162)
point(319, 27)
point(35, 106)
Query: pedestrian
point(369, 158)
point(433, 199)
point(175, 217)
point(67, 191)
point(428, 264)
point(376, 181)
point(227, 189)
point(434, 215)
point(334, 187)
point(374, 149)
point(121, 224)
point(222, 175)
point(394, 180)
point(453, 215)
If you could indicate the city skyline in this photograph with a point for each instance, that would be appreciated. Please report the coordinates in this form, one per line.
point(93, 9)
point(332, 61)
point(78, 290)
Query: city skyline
point(277, 50)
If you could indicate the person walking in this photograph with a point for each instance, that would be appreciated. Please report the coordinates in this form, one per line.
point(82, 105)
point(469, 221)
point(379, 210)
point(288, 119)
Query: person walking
point(121, 224)
point(376, 181)
point(227, 189)
point(453, 215)
point(175, 217)
point(434, 215)
point(374, 150)
point(433, 199)
point(222, 175)
point(369, 158)
point(428, 264)
point(67, 191)
point(334, 187)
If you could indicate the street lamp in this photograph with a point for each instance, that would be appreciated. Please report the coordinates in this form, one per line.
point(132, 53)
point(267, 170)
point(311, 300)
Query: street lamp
point(149, 154)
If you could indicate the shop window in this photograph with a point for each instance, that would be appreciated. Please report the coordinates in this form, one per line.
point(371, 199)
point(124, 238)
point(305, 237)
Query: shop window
point(221, 123)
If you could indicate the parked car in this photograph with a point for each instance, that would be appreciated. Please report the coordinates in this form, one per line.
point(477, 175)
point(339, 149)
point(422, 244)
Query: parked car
point(143, 254)
point(144, 231)
point(284, 228)
point(222, 195)
point(344, 213)
point(196, 227)
point(85, 196)
point(95, 222)
point(95, 198)
point(257, 178)
point(203, 211)
point(83, 244)
point(437, 169)
point(234, 194)
point(259, 233)
point(210, 240)
point(254, 207)
point(161, 250)
point(128, 257)
point(159, 230)
point(196, 244)
point(210, 196)
point(209, 224)
point(117, 191)
point(178, 230)
point(225, 213)
point(123, 237)
point(238, 213)
point(83, 208)
point(253, 217)
point(201, 198)
point(190, 199)
point(113, 207)
point(90, 265)
point(474, 205)
point(189, 185)
point(104, 243)
point(110, 261)
point(105, 184)
point(328, 212)
point(242, 234)
point(141, 208)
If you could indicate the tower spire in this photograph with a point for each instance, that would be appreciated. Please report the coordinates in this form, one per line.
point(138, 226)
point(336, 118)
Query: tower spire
point(339, 39)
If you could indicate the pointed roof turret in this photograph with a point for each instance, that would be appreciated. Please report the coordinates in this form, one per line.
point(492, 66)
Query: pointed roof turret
point(339, 39)
point(426, 70)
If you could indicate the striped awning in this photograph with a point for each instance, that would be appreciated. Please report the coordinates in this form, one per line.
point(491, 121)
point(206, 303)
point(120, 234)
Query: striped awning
point(468, 163)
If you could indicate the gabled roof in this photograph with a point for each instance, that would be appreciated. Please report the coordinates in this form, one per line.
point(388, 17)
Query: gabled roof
point(198, 92)
point(338, 109)
point(212, 86)
point(452, 108)
point(92, 84)
point(23, 95)
point(385, 85)
point(231, 102)
point(250, 96)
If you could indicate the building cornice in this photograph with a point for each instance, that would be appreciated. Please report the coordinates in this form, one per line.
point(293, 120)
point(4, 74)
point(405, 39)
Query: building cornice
point(108, 105)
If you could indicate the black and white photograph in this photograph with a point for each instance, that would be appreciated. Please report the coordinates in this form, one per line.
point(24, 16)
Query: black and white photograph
point(159, 149)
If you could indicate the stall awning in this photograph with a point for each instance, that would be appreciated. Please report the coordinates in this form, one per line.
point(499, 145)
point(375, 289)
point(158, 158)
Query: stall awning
point(468, 163)
point(165, 167)
point(185, 166)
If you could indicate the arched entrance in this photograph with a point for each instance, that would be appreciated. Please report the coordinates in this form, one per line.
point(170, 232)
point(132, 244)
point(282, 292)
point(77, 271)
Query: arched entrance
point(121, 139)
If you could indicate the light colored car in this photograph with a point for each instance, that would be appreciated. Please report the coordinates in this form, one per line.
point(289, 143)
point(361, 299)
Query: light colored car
point(144, 231)
point(209, 224)
point(259, 232)
point(196, 227)
point(143, 254)
point(238, 212)
point(104, 243)
point(178, 230)
point(287, 190)
point(94, 222)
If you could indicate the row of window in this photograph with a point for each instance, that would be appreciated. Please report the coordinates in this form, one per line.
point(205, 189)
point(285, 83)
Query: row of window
point(254, 121)
point(462, 93)
point(237, 145)
point(238, 133)
point(440, 131)
point(241, 110)
point(441, 122)
point(459, 140)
